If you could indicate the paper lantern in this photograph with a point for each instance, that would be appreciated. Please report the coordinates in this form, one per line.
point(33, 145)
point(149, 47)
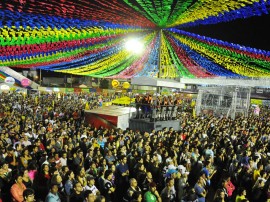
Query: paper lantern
point(115, 83)
point(25, 82)
point(126, 85)
point(9, 80)
point(4, 87)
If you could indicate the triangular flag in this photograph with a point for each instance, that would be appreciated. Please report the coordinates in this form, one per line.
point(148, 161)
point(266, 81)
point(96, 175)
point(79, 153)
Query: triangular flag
point(87, 106)
point(36, 99)
point(194, 112)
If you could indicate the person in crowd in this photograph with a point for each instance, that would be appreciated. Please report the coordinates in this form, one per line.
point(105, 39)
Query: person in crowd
point(17, 189)
point(122, 175)
point(181, 185)
point(29, 195)
point(108, 186)
point(57, 179)
point(146, 181)
point(100, 198)
point(257, 172)
point(220, 196)
point(89, 196)
point(133, 188)
point(110, 157)
point(11, 158)
point(137, 197)
point(25, 158)
point(258, 191)
point(168, 194)
point(53, 195)
point(78, 193)
point(42, 182)
point(200, 189)
point(229, 188)
point(26, 179)
point(91, 185)
point(140, 174)
point(191, 196)
point(81, 176)
point(209, 172)
point(241, 195)
point(152, 195)
point(5, 179)
point(69, 183)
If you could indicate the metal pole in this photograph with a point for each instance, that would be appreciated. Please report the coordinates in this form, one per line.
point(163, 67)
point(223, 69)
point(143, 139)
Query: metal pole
point(40, 77)
point(71, 81)
point(159, 56)
point(159, 60)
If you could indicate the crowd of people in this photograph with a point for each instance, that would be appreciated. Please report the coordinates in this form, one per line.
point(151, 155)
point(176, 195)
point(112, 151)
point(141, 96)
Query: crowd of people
point(49, 153)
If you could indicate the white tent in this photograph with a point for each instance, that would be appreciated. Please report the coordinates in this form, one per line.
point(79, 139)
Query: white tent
point(149, 81)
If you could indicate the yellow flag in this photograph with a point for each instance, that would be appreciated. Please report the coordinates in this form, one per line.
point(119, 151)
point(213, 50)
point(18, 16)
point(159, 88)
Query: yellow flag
point(36, 99)
point(194, 112)
point(193, 103)
point(87, 106)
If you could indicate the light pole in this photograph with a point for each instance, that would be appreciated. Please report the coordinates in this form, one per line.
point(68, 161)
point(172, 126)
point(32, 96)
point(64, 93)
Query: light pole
point(40, 80)
point(159, 61)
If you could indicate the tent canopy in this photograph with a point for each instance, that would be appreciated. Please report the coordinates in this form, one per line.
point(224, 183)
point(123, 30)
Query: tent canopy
point(146, 81)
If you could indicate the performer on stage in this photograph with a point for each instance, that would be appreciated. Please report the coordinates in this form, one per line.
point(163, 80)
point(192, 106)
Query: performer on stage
point(155, 108)
point(137, 105)
point(158, 107)
point(148, 107)
point(169, 108)
point(144, 106)
point(177, 103)
point(164, 106)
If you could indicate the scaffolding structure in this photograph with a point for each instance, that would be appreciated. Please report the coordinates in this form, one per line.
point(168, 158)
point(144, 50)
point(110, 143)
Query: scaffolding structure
point(229, 101)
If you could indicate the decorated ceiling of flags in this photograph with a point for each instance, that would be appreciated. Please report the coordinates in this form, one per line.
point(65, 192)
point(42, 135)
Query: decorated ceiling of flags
point(87, 37)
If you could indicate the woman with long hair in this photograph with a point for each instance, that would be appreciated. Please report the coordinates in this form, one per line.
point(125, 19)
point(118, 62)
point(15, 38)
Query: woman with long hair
point(17, 189)
point(220, 196)
point(26, 179)
point(25, 158)
point(42, 181)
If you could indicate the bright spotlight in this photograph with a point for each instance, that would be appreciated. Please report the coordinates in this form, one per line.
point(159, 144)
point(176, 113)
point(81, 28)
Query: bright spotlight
point(135, 46)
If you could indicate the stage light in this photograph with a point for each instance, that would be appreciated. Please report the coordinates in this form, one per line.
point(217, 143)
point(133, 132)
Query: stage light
point(56, 89)
point(134, 45)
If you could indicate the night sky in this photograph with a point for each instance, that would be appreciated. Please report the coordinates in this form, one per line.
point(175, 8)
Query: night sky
point(253, 32)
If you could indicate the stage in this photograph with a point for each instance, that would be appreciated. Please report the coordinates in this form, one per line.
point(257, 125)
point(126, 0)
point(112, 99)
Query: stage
point(113, 116)
point(124, 117)
point(146, 125)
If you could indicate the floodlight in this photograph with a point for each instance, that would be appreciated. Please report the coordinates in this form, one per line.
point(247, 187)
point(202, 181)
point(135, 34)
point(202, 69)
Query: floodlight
point(134, 45)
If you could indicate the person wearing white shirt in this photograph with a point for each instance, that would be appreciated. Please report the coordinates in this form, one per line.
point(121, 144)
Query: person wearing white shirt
point(18, 148)
point(91, 185)
point(52, 121)
point(25, 141)
point(63, 159)
point(29, 134)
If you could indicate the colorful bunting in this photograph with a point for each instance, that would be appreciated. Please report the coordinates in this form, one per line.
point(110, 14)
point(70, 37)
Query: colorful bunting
point(88, 38)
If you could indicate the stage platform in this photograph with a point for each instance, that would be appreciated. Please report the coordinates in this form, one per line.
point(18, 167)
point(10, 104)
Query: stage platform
point(123, 117)
point(110, 116)
point(146, 125)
